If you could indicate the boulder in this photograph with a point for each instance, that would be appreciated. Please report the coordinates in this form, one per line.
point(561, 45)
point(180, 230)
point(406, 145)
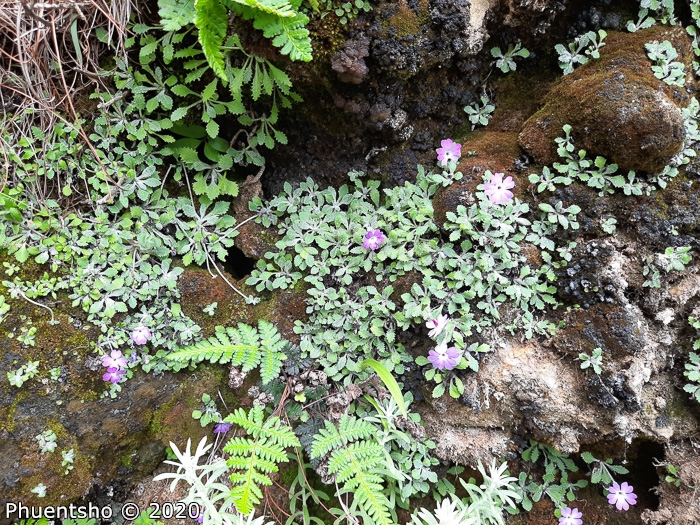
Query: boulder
point(617, 107)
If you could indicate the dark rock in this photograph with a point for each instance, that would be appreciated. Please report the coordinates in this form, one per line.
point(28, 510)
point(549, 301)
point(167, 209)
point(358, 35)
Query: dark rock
point(349, 62)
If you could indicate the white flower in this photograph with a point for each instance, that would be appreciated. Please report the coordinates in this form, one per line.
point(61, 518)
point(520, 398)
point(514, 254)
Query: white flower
point(437, 325)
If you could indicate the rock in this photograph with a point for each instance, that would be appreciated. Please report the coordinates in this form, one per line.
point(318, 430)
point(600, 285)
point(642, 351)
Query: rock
point(616, 106)
point(349, 62)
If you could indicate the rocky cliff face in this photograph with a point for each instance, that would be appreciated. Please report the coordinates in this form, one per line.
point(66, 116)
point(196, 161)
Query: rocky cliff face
point(380, 101)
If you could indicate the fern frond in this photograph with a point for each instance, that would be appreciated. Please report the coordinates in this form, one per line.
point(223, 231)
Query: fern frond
point(253, 459)
point(275, 7)
point(374, 504)
point(349, 429)
point(289, 34)
point(243, 346)
point(356, 460)
point(176, 14)
point(362, 456)
point(211, 18)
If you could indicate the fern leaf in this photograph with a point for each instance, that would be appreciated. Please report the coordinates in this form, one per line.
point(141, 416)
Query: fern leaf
point(373, 502)
point(356, 460)
point(241, 346)
point(253, 459)
point(359, 456)
point(349, 429)
point(218, 348)
point(211, 19)
point(176, 14)
point(275, 7)
point(288, 34)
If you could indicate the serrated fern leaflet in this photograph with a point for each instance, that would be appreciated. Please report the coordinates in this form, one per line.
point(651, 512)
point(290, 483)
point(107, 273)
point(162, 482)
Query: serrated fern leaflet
point(243, 346)
point(355, 459)
point(211, 18)
point(252, 459)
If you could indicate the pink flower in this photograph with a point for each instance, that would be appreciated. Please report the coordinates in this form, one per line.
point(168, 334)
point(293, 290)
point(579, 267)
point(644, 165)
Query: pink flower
point(570, 517)
point(497, 189)
point(444, 358)
point(437, 325)
point(140, 335)
point(114, 360)
point(450, 151)
point(113, 375)
point(621, 495)
point(373, 240)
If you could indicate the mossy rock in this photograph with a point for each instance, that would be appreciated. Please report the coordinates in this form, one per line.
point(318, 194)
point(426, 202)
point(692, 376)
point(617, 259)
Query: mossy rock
point(617, 107)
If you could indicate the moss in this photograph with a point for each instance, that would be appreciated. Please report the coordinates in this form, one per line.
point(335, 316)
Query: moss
point(616, 106)
point(173, 420)
point(405, 21)
point(7, 414)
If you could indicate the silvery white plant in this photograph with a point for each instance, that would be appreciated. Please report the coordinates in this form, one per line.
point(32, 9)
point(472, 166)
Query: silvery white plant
point(484, 505)
point(205, 489)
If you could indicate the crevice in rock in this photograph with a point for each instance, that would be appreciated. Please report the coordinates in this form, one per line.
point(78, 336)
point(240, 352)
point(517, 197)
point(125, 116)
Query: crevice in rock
point(642, 456)
point(237, 264)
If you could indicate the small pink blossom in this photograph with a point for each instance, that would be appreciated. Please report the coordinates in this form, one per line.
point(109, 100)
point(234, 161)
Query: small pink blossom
point(373, 240)
point(114, 360)
point(450, 151)
point(570, 517)
point(444, 358)
point(621, 495)
point(437, 325)
point(498, 189)
point(140, 335)
point(113, 375)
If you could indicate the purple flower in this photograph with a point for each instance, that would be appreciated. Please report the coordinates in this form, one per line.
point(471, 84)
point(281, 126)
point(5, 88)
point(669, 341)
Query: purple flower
point(570, 517)
point(621, 495)
point(497, 189)
point(140, 335)
point(373, 240)
point(222, 428)
point(444, 358)
point(437, 325)
point(113, 375)
point(114, 360)
point(200, 517)
point(450, 151)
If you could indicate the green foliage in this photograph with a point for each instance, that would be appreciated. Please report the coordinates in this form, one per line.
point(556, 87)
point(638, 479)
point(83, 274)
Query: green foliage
point(600, 175)
point(388, 381)
point(253, 458)
point(644, 21)
point(243, 346)
point(555, 483)
point(663, 8)
point(595, 360)
point(346, 11)
point(356, 459)
point(279, 21)
point(601, 472)
point(408, 455)
point(665, 68)
point(692, 369)
point(23, 373)
point(211, 18)
point(480, 114)
point(672, 476)
point(210, 414)
point(673, 259)
point(506, 61)
point(354, 312)
point(579, 51)
point(205, 485)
